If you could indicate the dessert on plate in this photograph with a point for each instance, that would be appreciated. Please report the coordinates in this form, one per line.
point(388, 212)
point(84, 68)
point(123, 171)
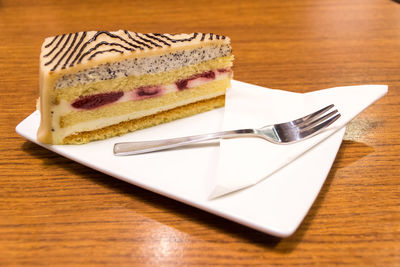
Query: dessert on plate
point(98, 84)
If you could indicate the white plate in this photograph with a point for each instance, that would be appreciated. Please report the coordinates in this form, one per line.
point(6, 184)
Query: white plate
point(276, 206)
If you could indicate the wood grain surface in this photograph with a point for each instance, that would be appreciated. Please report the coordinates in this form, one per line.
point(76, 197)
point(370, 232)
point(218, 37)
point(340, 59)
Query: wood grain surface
point(55, 212)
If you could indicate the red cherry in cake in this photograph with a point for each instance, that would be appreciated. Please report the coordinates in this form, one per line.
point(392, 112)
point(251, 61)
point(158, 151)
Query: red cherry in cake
point(95, 101)
point(145, 92)
point(207, 75)
point(183, 84)
point(148, 91)
point(223, 70)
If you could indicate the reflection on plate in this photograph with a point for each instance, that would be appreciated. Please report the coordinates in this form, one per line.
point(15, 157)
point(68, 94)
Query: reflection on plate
point(276, 205)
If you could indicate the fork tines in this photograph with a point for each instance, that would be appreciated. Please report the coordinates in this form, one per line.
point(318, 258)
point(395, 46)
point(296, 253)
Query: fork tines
point(318, 120)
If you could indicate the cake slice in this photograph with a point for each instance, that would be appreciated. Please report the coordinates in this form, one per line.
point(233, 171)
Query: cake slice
point(96, 85)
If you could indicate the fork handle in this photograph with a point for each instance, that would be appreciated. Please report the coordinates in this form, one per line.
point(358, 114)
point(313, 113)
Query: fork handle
point(133, 148)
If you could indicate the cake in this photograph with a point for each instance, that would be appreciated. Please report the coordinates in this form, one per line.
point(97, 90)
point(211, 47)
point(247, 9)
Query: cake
point(97, 84)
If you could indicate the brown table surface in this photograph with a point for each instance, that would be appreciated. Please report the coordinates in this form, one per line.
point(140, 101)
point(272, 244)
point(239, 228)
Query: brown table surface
point(54, 211)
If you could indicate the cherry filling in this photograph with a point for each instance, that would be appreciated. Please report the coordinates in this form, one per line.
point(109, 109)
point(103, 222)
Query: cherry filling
point(223, 70)
point(183, 84)
point(94, 101)
point(148, 91)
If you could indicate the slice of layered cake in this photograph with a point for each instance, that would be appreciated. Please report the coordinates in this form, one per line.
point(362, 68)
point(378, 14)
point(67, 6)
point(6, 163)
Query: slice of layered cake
point(96, 85)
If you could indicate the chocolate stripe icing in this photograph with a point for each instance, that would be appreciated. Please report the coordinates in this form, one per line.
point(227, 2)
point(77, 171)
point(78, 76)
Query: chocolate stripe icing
point(112, 36)
point(71, 45)
point(54, 48)
point(62, 48)
point(109, 50)
point(94, 38)
point(68, 50)
point(177, 40)
point(54, 39)
point(147, 40)
point(138, 42)
point(73, 52)
point(157, 39)
point(101, 44)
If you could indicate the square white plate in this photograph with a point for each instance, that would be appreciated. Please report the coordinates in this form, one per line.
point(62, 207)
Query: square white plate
point(276, 206)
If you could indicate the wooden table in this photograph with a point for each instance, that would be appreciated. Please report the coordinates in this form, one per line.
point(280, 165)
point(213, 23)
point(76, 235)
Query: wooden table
point(54, 211)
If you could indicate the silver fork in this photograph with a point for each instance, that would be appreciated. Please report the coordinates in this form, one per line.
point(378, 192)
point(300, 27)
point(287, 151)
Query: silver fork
point(282, 133)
